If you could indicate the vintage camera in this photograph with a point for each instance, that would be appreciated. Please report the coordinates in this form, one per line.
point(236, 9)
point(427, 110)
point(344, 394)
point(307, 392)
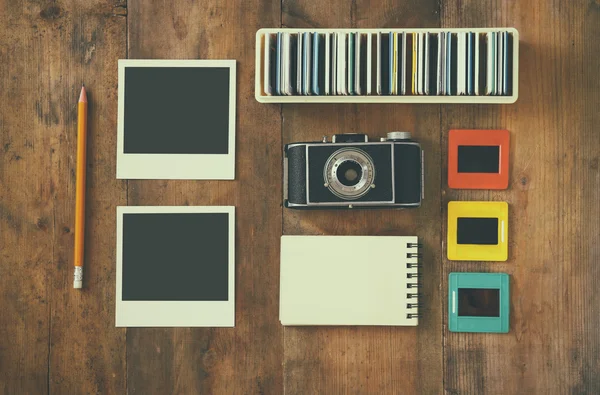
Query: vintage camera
point(353, 172)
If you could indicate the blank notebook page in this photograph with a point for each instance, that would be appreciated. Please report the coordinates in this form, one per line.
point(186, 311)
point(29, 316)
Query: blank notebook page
point(346, 280)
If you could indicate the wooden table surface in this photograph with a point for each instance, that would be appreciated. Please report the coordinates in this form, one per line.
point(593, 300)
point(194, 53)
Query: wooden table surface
point(54, 339)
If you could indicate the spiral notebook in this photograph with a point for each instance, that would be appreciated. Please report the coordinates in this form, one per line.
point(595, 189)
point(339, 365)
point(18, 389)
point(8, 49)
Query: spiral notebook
point(349, 280)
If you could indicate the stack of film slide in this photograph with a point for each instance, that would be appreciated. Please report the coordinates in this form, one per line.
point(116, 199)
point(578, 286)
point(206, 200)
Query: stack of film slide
point(387, 65)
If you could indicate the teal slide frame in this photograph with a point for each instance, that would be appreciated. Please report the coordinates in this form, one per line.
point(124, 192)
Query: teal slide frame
point(481, 281)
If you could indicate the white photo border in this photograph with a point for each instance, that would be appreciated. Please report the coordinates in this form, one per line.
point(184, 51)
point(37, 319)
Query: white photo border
point(175, 313)
point(176, 166)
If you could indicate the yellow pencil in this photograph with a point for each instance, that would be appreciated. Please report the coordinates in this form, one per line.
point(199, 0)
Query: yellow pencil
point(80, 188)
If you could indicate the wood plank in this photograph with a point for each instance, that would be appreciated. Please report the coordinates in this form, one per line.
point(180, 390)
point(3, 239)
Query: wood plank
point(47, 51)
point(95, 34)
point(368, 359)
point(26, 209)
point(553, 342)
point(210, 360)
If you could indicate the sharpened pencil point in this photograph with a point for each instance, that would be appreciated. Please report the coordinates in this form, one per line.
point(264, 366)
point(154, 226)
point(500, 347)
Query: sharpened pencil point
point(83, 95)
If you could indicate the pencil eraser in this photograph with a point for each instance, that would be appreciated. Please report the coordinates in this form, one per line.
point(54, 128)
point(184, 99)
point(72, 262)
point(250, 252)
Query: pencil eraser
point(78, 277)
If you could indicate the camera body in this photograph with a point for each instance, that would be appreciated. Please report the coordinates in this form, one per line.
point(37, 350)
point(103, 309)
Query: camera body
point(353, 172)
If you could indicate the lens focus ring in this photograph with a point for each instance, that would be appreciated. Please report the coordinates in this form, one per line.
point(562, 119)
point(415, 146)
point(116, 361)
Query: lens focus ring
point(349, 173)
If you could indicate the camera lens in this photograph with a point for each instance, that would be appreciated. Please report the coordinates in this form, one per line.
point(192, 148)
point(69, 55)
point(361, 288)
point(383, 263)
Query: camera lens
point(349, 173)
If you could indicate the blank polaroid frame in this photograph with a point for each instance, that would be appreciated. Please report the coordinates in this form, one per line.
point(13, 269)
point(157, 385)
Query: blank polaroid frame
point(176, 119)
point(478, 302)
point(478, 159)
point(175, 266)
point(477, 231)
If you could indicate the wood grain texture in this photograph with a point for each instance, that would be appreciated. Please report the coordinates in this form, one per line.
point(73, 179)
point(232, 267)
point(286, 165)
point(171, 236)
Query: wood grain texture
point(553, 344)
point(364, 360)
point(245, 359)
point(54, 339)
point(49, 331)
point(26, 209)
point(94, 31)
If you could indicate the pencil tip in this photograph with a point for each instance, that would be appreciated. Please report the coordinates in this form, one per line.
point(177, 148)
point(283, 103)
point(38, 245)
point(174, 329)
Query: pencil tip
point(83, 95)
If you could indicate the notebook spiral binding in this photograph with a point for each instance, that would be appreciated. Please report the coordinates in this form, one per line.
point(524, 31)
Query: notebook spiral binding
point(413, 267)
point(413, 245)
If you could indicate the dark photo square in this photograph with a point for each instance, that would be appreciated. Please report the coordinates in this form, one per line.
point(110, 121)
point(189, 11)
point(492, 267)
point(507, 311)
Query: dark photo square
point(475, 302)
point(478, 159)
point(477, 231)
point(176, 110)
point(175, 257)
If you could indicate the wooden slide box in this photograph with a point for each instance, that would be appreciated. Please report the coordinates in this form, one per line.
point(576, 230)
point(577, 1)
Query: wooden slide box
point(262, 97)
